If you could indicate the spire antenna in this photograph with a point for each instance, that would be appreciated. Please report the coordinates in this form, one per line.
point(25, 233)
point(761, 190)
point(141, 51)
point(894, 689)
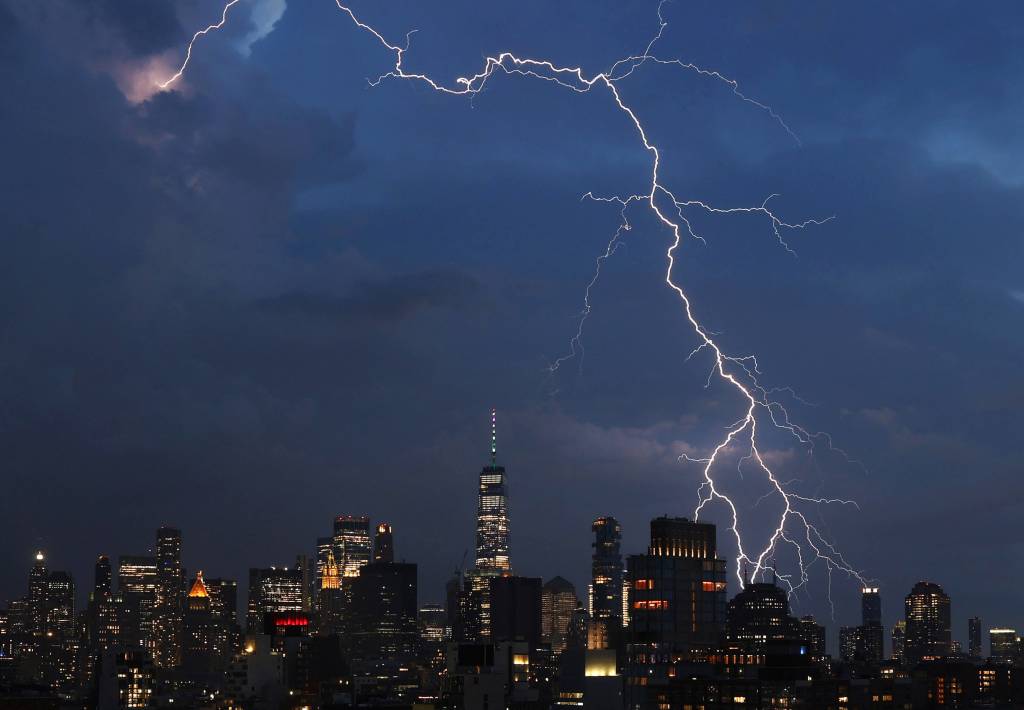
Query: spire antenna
point(494, 436)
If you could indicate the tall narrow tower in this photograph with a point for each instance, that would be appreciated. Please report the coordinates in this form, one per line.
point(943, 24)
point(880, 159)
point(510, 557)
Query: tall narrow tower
point(168, 619)
point(492, 532)
point(492, 524)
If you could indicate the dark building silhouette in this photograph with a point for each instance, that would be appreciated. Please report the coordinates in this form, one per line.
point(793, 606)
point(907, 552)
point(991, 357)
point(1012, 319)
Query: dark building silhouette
point(606, 577)
point(103, 577)
point(899, 642)
point(872, 635)
point(813, 634)
point(927, 615)
point(383, 636)
point(974, 637)
point(516, 609)
point(384, 544)
point(1004, 645)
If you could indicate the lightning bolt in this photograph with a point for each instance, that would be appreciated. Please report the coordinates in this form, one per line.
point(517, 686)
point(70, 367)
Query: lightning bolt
point(741, 373)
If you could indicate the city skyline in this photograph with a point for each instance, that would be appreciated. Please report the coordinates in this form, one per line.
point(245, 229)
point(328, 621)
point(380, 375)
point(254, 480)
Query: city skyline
point(605, 528)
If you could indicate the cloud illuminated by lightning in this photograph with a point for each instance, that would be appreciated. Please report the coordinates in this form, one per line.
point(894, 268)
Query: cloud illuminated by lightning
point(759, 408)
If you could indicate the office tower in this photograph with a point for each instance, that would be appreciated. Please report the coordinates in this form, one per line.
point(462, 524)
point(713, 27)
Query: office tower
point(928, 623)
point(813, 634)
point(223, 595)
point(383, 544)
point(899, 641)
point(200, 645)
point(223, 599)
point(103, 576)
point(758, 617)
point(433, 623)
point(383, 612)
point(677, 599)
point(308, 573)
point(492, 521)
point(606, 598)
point(273, 590)
point(352, 544)
point(848, 643)
point(330, 598)
point(1003, 645)
point(492, 541)
point(974, 637)
point(871, 637)
point(37, 604)
point(870, 607)
point(516, 609)
point(60, 604)
point(136, 585)
point(168, 612)
point(323, 546)
point(558, 602)
point(127, 680)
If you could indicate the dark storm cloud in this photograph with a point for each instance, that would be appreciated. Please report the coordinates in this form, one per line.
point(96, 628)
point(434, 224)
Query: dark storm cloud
point(397, 299)
point(146, 26)
point(182, 341)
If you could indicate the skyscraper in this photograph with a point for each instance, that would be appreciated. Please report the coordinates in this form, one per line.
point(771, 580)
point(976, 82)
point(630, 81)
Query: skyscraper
point(492, 522)
point(384, 611)
point(516, 609)
point(677, 599)
point(330, 598)
point(384, 544)
point(200, 651)
point(759, 616)
point(928, 623)
point(352, 545)
point(814, 634)
point(136, 585)
point(168, 613)
point(899, 641)
point(102, 577)
point(492, 540)
point(974, 637)
point(606, 581)
point(558, 603)
point(1003, 644)
point(273, 590)
point(37, 603)
point(872, 636)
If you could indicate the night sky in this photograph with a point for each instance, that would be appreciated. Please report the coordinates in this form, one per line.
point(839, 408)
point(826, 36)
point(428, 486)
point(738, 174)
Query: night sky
point(277, 294)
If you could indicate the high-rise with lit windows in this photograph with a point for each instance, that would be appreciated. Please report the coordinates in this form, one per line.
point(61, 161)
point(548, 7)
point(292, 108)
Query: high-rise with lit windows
point(352, 544)
point(492, 536)
point(273, 590)
point(677, 595)
point(606, 581)
point(136, 585)
point(928, 623)
point(558, 603)
point(1003, 645)
point(492, 523)
point(168, 617)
